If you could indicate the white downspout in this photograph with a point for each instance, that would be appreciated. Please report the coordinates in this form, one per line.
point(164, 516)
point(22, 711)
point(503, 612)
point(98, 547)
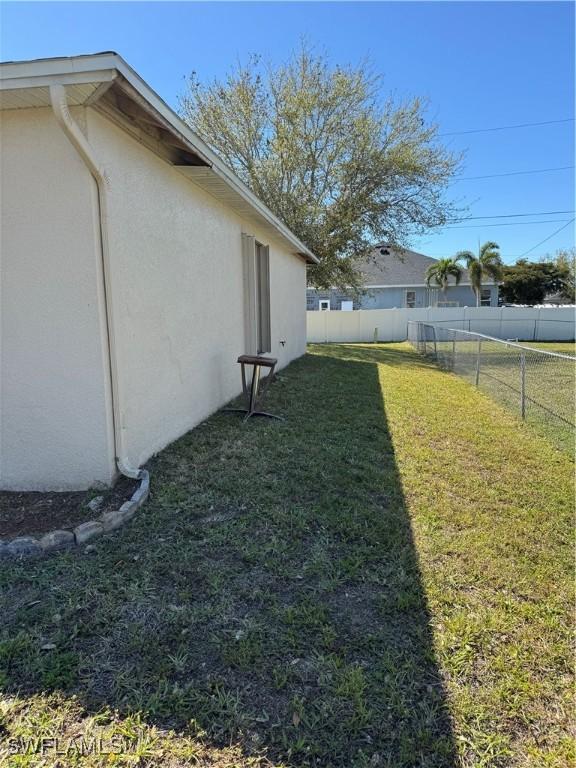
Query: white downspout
point(81, 144)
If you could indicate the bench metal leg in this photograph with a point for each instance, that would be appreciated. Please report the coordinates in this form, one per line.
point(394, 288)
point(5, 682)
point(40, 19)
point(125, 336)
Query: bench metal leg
point(252, 396)
point(264, 413)
point(254, 389)
point(252, 413)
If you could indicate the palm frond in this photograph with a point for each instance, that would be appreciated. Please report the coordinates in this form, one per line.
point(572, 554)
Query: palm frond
point(494, 270)
point(487, 247)
point(441, 271)
point(456, 272)
point(466, 256)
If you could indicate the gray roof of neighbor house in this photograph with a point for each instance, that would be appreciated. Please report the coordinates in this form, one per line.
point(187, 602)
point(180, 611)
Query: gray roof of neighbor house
point(393, 266)
point(107, 83)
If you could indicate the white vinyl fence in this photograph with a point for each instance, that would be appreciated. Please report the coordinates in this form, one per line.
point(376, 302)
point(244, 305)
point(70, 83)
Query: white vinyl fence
point(364, 325)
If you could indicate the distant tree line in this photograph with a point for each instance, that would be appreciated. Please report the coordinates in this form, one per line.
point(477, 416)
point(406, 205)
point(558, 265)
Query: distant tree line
point(529, 282)
point(525, 282)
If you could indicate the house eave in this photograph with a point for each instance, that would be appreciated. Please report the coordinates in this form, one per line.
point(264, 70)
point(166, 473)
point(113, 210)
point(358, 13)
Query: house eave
point(88, 73)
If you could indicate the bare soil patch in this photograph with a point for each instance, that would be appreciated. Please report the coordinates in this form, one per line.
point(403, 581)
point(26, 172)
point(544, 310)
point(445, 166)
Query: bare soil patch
point(34, 512)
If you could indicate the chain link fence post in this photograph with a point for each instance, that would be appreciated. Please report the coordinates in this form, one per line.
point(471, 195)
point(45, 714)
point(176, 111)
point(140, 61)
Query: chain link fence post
point(478, 354)
point(523, 384)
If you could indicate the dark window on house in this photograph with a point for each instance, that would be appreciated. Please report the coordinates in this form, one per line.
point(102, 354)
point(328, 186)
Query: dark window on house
point(263, 298)
point(410, 299)
point(485, 297)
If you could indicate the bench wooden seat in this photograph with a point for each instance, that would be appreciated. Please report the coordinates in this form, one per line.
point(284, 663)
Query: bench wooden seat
point(266, 362)
point(252, 395)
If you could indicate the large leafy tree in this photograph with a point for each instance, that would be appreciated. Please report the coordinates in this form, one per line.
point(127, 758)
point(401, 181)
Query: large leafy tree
point(341, 165)
point(565, 262)
point(441, 272)
point(487, 263)
point(529, 282)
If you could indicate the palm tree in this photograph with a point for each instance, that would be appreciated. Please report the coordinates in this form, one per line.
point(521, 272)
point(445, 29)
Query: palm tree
point(441, 272)
point(488, 263)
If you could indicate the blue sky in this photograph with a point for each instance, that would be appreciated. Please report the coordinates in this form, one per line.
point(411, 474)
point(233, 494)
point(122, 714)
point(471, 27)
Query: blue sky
point(480, 65)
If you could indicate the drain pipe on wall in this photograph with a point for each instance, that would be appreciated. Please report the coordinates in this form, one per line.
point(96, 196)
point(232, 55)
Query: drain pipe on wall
point(81, 144)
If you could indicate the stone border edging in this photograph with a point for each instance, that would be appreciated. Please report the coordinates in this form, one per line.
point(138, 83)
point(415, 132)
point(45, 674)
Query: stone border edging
point(29, 546)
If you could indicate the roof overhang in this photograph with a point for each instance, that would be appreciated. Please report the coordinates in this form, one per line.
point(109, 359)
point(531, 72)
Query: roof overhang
point(106, 82)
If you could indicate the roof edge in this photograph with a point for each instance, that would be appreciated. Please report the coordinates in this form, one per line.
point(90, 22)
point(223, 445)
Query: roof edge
point(101, 64)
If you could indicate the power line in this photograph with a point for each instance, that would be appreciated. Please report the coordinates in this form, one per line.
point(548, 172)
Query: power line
point(506, 224)
point(507, 127)
point(511, 215)
point(547, 238)
point(512, 173)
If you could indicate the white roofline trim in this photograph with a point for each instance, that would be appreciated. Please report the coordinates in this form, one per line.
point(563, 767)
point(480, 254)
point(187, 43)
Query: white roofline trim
point(72, 78)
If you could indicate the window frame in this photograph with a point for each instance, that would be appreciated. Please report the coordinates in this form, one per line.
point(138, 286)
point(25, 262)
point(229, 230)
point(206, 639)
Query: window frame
point(324, 301)
point(486, 301)
point(263, 306)
point(407, 304)
point(257, 300)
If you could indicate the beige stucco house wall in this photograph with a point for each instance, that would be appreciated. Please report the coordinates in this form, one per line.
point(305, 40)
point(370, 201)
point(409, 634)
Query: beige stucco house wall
point(74, 390)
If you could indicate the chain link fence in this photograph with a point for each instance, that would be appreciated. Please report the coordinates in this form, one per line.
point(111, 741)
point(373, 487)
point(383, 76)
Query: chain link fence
point(536, 384)
point(521, 329)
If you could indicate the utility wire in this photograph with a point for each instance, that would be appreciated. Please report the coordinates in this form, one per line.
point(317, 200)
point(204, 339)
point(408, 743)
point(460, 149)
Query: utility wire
point(506, 224)
point(511, 215)
point(451, 255)
point(547, 238)
point(512, 173)
point(507, 127)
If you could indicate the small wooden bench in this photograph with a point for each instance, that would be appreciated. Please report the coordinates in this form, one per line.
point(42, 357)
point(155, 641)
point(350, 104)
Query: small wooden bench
point(251, 393)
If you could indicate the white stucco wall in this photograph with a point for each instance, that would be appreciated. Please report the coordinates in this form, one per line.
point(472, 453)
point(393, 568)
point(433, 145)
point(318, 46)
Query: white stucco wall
point(178, 296)
point(55, 429)
point(177, 268)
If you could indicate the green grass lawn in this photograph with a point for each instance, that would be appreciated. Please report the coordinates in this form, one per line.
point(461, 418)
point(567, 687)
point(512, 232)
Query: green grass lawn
point(549, 380)
point(564, 347)
point(384, 579)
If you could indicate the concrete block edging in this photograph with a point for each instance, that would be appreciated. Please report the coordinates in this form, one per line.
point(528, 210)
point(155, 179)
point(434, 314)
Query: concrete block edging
point(28, 546)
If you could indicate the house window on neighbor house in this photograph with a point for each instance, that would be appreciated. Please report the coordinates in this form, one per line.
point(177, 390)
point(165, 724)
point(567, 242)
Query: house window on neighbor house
point(324, 305)
point(486, 297)
point(410, 301)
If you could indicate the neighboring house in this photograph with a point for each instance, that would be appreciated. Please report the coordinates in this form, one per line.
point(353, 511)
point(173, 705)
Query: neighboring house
point(397, 278)
point(135, 269)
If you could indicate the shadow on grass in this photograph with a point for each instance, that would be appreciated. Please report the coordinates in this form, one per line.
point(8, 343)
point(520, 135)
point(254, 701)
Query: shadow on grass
point(268, 594)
